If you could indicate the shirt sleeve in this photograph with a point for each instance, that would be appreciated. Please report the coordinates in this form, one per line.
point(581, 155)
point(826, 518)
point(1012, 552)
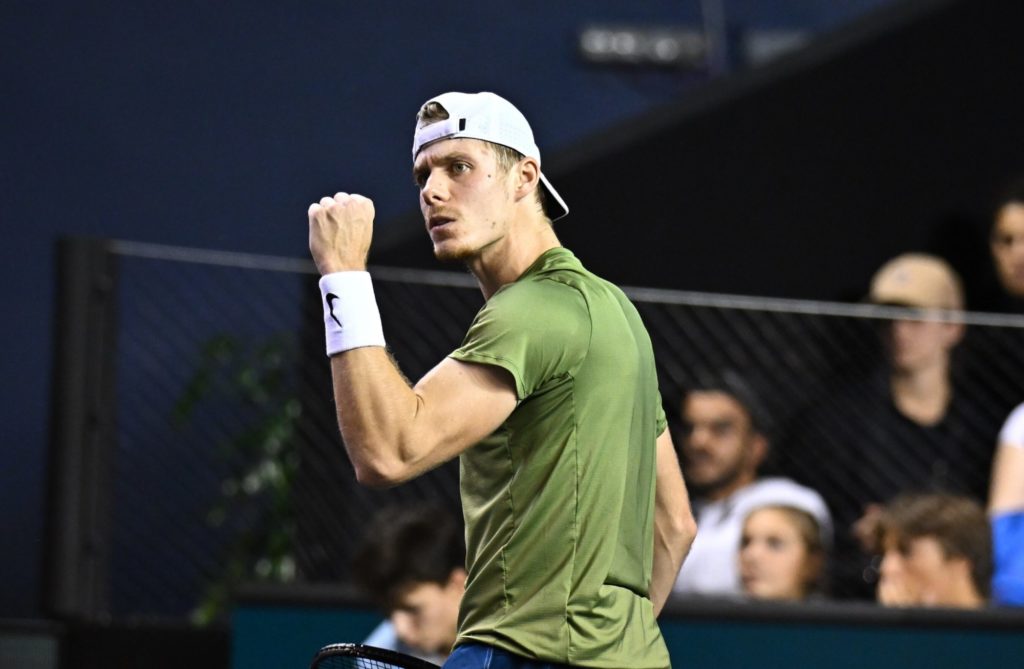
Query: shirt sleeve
point(661, 422)
point(1012, 433)
point(538, 332)
point(383, 636)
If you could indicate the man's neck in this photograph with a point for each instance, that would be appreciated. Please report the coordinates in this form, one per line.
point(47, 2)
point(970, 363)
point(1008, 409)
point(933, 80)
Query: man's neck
point(922, 395)
point(505, 261)
point(726, 491)
point(962, 594)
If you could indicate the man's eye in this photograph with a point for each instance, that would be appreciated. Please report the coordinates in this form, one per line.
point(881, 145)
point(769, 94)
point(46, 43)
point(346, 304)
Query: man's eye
point(722, 427)
point(460, 167)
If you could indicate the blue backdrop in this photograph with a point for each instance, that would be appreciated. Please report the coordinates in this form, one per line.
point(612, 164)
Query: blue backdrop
point(216, 124)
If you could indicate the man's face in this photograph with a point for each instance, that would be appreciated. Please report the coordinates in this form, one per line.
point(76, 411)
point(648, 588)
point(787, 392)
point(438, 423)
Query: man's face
point(1007, 246)
point(720, 447)
point(426, 615)
point(915, 345)
point(916, 572)
point(465, 197)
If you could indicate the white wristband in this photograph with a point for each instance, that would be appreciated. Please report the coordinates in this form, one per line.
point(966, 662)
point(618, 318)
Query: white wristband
point(351, 319)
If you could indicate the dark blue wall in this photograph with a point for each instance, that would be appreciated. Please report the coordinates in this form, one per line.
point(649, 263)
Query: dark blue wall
point(215, 124)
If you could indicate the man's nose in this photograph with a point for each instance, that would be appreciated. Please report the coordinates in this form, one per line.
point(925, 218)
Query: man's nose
point(434, 189)
point(902, 328)
point(890, 563)
point(404, 628)
point(700, 436)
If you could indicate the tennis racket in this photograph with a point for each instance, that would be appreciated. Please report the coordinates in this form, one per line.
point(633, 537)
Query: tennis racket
point(358, 656)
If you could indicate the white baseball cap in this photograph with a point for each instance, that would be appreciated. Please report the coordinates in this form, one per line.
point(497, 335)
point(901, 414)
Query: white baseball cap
point(491, 118)
point(917, 280)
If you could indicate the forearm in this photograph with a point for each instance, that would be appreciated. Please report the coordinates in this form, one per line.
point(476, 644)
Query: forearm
point(386, 434)
point(377, 411)
point(674, 526)
point(672, 540)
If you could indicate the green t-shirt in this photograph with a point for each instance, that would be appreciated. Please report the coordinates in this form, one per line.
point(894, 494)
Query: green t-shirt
point(559, 501)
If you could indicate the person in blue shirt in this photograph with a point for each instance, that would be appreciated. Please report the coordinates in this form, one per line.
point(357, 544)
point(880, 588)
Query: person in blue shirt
point(1006, 512)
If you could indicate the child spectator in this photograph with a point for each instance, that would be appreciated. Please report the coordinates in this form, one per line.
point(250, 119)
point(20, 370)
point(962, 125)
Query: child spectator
point(782, 554)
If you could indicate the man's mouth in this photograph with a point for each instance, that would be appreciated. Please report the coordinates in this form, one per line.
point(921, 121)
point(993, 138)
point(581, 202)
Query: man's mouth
point(438, 220)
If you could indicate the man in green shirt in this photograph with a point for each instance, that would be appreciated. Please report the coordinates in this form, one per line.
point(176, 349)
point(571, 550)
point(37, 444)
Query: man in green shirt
point(577, 518)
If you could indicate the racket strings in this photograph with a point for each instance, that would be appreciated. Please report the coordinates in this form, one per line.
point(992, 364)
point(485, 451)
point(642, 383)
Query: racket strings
point(339, 662)
point(358, 656)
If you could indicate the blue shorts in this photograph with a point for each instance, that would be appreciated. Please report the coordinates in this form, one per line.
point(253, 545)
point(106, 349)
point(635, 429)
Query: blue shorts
point(479, 656)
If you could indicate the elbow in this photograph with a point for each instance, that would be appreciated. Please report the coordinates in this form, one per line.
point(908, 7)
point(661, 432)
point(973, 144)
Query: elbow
point(373, 478)
point(683, 528)
point(381, 473)
point(385, 460)
point(688, 529)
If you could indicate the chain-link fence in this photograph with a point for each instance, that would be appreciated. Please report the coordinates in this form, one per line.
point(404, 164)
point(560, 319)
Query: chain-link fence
point(228, 466)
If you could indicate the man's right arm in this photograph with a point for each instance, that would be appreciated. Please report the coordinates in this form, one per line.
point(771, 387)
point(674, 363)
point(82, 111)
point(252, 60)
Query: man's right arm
point(394, 432)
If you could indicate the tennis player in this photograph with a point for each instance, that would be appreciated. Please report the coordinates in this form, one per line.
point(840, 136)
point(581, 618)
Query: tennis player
point(577, 518)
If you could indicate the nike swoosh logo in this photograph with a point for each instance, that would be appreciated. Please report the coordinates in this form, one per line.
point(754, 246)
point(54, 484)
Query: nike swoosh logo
point(331, 297)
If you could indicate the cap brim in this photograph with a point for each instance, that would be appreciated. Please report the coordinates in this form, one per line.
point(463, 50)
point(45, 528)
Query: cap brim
point(557, 208)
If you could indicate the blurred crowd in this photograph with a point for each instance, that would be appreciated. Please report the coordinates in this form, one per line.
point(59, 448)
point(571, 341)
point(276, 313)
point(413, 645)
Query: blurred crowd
point(900, 486)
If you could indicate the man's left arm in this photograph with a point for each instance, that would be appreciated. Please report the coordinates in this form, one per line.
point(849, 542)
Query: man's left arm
point(674, 525)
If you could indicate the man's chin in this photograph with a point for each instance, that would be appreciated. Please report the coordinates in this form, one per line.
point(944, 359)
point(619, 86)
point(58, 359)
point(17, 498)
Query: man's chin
point(701, 489)
point(449, 254)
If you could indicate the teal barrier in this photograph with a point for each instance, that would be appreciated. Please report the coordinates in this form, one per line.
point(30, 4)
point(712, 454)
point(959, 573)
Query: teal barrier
point(283, 628)
point(287, 636)
point(724, 644)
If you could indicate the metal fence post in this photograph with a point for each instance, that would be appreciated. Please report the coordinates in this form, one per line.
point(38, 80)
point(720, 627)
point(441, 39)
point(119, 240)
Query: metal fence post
point(83, 433)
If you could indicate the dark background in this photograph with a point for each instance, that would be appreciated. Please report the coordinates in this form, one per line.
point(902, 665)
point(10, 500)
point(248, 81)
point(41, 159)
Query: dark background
point(214, 125)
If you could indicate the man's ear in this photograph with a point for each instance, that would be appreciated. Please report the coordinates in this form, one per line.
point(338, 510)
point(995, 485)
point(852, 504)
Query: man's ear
point(961, 566)
point(954, 333)
point(527, 173)
point(758, 449)
point(457, 577)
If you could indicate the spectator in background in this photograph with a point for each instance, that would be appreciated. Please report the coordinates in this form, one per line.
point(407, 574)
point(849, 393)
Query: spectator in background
point(1006, 241)
point(1006, 512)
point(410, 563)
point(936, 552)
point(901, 427)
point(782, 554)
point(724, 443)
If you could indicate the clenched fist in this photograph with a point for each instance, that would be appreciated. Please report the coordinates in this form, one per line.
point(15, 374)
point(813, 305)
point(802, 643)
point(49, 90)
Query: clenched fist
point(340, 232)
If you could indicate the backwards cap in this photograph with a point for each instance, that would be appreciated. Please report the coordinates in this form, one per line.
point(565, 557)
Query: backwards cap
point(491, 118)
point(917, 280)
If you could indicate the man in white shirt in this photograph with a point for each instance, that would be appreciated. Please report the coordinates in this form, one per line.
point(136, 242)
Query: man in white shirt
point(724, 443)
